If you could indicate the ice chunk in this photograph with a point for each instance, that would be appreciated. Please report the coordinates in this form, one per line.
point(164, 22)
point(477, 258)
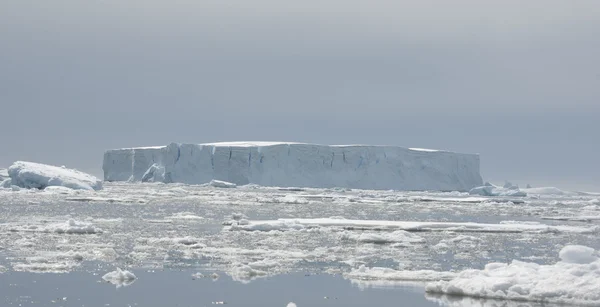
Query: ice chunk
point(59, 190)
point(73, 227)
point(6, 183)
point(546, 191)
point(155, 173)
point(382, 237)
point(577, 254)
point(35, 175)
point(296, 165)
point(120, 277)
point(3, 174)
point(574, 280)
point(291, 304)
point(221, 184)
point(492, 190)
point(244, 273)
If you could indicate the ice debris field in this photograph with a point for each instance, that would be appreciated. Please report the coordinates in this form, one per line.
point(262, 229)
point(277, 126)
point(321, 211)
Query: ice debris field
point(503, 243)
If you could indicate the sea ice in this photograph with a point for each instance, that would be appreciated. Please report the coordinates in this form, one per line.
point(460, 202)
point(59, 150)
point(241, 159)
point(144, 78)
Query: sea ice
point(573, 280)
point(39, 176)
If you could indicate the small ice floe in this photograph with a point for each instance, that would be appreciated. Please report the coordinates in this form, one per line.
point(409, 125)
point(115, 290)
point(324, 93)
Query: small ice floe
point(573, 280)
point(412, 226)
point(120, 278)
point(574, 218)
point(380, 273)
point(460, 301)
point(291, 304)
point(245, 273)
point(59, 190)
point(491, 190)
point(237, 219)
point(281, 225)
point(185, 216)
point(71, 226)
point(39, 176)
point(34, 265)
point(382, 237)
point(222, 184)
point(74, 227)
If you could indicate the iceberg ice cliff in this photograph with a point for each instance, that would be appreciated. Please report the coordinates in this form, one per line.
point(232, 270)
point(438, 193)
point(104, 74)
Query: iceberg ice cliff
point(297, 165)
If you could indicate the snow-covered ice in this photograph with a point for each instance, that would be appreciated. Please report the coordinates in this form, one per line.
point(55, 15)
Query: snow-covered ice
point(573, 280)
point(39, 176)
point(296, 165)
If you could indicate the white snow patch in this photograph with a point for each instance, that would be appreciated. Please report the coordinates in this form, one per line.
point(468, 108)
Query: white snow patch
point(35, 175)
point(574, 280)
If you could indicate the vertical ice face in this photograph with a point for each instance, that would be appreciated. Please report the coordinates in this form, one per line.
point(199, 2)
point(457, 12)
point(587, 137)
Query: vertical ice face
point(294, 164)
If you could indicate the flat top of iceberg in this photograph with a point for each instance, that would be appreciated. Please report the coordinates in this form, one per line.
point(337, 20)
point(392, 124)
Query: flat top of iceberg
point(265, 144)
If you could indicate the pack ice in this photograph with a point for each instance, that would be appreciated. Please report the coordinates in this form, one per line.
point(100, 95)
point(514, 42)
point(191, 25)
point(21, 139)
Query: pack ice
point(39, 176)
point(296, 165)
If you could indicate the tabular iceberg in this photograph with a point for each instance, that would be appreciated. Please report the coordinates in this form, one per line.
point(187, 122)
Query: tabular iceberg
point(296, 165)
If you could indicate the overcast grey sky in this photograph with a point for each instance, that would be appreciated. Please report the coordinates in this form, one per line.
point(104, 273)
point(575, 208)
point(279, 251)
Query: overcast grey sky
point(516, 81)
